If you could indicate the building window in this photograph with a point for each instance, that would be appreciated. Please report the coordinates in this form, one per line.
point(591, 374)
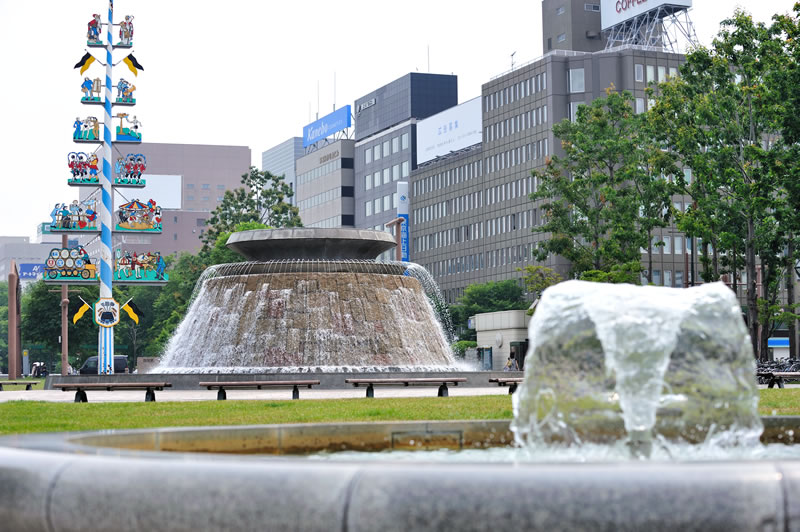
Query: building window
point(573, 110)
point(592, 7)
point(206, 186)
point(404, 169)
point(667, 247)
point(395, 172)
point(639, 105)
point(662, 77)
point(667, 277)
point(387, 202)
point(387, 175)
point(638, 72)
point(189, 198)
point(404, 141)
point(395, 144)
point(367, 181)
point(576, 81)
point(651, 74)
point(377, 179)
point(367, 156)
point(394, 201)
point(386, 148)
point(376, 152)
point(678, 246)
point(560, 10)
point(657, 277)
point(687, 175)
point(673, 73)
point(562, 37)
point(377, 208)
point(368, 208)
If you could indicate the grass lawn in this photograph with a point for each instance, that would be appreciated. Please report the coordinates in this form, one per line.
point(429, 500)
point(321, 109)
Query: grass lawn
point(37, 416)
point(31, 416)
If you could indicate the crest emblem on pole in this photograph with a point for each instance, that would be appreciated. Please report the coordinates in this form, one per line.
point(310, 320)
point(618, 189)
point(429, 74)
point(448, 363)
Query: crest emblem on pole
point(106, 312)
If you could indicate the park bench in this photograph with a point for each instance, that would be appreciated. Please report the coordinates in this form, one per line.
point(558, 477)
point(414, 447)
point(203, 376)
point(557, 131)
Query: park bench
point(81, 387)
point(442, 382)
point(27, 384)
point(511, 382)
point(778, 377)
point(221, 395)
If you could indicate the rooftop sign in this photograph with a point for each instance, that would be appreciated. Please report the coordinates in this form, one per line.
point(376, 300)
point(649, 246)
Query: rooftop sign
point(613, 12)
point(327, 126)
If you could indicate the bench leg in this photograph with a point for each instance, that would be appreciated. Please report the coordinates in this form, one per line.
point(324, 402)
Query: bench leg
point(221, 395)
point(1, 386)
point(295, 392)
point(80, 397)
point(512, 388)
point(780, 382)
point(370, 391)
point(28, 387)
point(771, 382)
point(443, 390)
point(149, 396)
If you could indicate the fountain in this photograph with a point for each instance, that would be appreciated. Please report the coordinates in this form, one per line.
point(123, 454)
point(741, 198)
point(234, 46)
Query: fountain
point(309, 300)
point(610, 367)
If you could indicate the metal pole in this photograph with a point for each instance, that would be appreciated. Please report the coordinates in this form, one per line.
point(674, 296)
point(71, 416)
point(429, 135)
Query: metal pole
point(398, 252)
point(691, 250)
point(13, 324)
point(105, 348)
point(64, 319)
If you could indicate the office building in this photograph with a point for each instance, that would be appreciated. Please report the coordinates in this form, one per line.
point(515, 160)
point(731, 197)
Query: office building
point(571, 25)
point(325, 179)
point(472, 220)
point(280, 160)
point(385, 140)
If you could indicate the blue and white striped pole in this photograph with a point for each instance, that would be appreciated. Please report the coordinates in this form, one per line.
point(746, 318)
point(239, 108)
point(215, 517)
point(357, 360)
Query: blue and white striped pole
point(105, 347)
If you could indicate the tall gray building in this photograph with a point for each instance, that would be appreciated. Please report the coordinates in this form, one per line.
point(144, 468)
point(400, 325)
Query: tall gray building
point(472, 220)
point(385, 147)
point(571, 25)
point(280, 160)
point(325, 180)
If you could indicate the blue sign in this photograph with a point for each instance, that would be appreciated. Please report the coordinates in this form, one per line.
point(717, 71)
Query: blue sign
point(31, 271)
point(327, 126)
point(404, 238)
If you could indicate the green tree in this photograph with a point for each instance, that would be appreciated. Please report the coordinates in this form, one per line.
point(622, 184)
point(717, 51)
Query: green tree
point(486, 297)
point(537, 279)
point(263, 199)
point(722, 116)
point(594, 194)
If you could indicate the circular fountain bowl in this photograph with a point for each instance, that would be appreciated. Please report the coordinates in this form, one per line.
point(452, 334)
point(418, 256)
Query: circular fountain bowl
point(194, 485)
point(310, 243)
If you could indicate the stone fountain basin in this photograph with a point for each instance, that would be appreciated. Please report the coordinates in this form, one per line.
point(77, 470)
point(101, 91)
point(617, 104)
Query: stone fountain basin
point(310, 243)
point(120, 480)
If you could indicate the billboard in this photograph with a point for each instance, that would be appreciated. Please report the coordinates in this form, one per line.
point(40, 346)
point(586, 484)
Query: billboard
point(165, 189)
point(327, 126)
point(450, 130)
point(402, 212)
point(31, 272)
point(612, 12)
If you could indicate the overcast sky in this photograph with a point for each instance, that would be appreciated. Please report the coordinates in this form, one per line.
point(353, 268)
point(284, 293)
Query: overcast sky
point(243, 72)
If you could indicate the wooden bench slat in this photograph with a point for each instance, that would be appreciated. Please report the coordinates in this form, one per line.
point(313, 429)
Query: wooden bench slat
point(254, 384)
point(421, 380)
point(111, 385)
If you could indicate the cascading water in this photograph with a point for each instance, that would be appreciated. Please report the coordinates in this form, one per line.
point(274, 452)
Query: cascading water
point(641, 362)
point(308, 315)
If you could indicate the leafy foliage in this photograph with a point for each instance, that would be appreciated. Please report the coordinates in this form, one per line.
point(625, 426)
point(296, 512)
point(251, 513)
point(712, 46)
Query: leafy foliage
point(261, 200)
point(487, 297)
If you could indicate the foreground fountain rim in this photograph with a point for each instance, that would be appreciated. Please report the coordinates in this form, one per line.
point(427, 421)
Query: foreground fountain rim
point(49, 482)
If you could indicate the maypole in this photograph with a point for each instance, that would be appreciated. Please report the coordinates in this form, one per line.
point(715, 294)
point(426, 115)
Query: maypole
point(105, 346)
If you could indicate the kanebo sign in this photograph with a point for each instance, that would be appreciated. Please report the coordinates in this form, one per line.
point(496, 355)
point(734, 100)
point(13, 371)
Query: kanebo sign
point(613, 12)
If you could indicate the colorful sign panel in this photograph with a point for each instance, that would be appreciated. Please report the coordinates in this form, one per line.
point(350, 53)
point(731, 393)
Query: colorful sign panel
point(451, 130)
point(327, 126)
point(402, 212)
point(137, 216)
point(613, 12)
point(106, 312)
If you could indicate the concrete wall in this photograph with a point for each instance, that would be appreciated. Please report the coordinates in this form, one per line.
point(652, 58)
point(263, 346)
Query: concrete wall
point(498, 330)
